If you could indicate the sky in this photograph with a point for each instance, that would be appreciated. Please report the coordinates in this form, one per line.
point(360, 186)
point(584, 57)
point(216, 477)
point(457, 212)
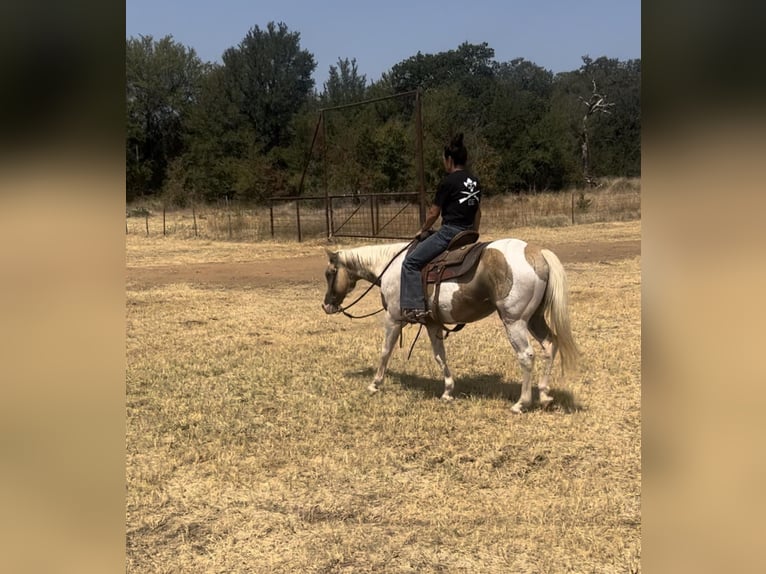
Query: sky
point(553, 34)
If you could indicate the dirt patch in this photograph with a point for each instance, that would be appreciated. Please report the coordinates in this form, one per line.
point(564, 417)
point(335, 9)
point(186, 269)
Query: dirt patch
point(310, 269)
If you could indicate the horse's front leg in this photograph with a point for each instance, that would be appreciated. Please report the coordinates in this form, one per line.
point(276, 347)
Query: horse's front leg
point(437, 345)
point(393, 330)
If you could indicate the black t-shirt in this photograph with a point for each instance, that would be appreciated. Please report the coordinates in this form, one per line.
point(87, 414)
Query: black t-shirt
point(458, 196)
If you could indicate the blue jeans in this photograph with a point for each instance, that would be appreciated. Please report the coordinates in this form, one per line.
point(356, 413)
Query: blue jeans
point(411, 295)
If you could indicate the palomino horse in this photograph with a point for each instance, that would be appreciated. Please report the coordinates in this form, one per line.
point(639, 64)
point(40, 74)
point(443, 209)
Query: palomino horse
point(524, 284)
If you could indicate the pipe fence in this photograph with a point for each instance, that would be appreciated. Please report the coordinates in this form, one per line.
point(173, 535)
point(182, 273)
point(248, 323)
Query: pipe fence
point(372, 216)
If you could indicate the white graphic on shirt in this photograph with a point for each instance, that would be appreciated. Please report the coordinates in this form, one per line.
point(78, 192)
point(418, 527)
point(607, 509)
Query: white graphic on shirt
point(472, 191)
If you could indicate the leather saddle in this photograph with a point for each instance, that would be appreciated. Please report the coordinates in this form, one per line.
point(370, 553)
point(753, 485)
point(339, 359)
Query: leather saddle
point(461, 258)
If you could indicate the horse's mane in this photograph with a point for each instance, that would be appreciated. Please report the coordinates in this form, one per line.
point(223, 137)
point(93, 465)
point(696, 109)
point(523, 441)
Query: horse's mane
point(370, 258)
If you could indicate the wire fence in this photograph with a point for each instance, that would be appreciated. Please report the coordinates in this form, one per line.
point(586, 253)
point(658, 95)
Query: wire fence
point(299, 219)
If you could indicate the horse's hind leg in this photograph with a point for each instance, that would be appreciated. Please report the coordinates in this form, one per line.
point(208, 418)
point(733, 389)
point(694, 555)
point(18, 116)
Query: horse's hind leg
point(542, 333)
point(518, 334)
point(393, 329)
point(437, 345)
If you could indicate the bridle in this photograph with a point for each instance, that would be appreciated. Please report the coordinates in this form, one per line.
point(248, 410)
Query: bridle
point(342, 309)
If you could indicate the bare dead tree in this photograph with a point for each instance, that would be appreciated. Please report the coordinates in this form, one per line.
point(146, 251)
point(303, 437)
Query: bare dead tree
point(597, 104)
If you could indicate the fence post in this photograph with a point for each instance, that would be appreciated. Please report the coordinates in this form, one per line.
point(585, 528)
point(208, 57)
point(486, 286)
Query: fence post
point(146, 217)
point(522, 210)
point(228, 214)
point(372, 215)
point(163, 220)
point(194, 217)
point(271, 217)
point(331, 229)
point(298, 218)
point(573, 221)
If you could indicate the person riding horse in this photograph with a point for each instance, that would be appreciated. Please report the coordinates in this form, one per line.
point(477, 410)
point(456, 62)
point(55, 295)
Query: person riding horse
point(458, 201)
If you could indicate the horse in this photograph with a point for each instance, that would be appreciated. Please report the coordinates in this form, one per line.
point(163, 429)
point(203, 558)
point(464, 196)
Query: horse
point(526, 285)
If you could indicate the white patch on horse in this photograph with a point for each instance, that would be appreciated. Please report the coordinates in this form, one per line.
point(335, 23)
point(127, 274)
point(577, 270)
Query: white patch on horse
point(518, 302)
point(446, 291)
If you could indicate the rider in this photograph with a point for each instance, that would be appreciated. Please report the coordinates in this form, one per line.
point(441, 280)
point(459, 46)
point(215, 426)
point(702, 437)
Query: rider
point(457, 200)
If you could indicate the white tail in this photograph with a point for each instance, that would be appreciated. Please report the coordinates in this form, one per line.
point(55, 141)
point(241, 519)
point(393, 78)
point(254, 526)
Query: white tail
point(557, 311)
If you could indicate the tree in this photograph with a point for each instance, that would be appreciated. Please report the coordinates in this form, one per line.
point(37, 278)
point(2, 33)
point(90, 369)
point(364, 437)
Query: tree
point(469, 67)
point(162, 84)
point(596, 104)
point(615, 139)
point(344, 84)
point(518, 126)
point(217, 139)
point(269, 78)
point(243, 129)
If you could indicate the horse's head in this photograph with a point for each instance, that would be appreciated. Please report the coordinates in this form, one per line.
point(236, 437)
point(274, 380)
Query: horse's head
point(340, 282)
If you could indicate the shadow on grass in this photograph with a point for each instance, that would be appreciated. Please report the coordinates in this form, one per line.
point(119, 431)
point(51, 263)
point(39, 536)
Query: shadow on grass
point(489, 386)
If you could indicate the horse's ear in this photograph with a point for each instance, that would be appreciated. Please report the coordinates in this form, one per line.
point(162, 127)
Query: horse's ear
point(332, 255)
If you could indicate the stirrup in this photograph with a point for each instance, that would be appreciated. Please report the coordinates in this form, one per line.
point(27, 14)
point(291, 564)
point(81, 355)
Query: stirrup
point(415, 316)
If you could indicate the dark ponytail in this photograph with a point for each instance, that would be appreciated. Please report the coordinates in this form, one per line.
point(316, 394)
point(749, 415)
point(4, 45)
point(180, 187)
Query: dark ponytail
point(456, 150)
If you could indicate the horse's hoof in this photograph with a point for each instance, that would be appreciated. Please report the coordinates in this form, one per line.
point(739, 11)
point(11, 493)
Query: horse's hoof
point(447, 398)
point(545, 402)
point(372, 389)
point(517, 409)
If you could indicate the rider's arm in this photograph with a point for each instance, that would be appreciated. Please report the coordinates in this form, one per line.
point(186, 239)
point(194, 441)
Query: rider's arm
point(433, 214)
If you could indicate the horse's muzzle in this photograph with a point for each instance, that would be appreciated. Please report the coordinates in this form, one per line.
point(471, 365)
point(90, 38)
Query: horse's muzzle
point(330, 309)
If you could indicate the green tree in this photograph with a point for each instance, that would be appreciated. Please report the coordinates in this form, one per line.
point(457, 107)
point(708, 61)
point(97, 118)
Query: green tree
point(243, 129)
point(615, 140)
point(269, 78)
point(394, 163)
point(344, 85)
point(218, 137)
point(163, 80)
point(516, 124)
point(470, 67)
point(445, 113)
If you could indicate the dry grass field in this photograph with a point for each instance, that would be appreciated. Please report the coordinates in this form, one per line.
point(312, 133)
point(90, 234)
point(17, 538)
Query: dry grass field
point(253, 446)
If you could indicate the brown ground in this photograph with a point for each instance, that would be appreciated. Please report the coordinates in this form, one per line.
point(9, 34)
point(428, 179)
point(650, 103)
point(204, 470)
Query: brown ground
point(310, 268)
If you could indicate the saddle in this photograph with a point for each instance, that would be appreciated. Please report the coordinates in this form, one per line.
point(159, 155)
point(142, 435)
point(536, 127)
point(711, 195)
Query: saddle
point(460, 258)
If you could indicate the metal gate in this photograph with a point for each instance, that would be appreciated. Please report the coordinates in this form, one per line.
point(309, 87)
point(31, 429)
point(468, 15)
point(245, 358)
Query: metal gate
point(374, 215)
point(364, 215)
point(394, 215)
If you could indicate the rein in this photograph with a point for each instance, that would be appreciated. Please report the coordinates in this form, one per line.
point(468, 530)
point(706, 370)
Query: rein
point(377, 282)
point(373, 284)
